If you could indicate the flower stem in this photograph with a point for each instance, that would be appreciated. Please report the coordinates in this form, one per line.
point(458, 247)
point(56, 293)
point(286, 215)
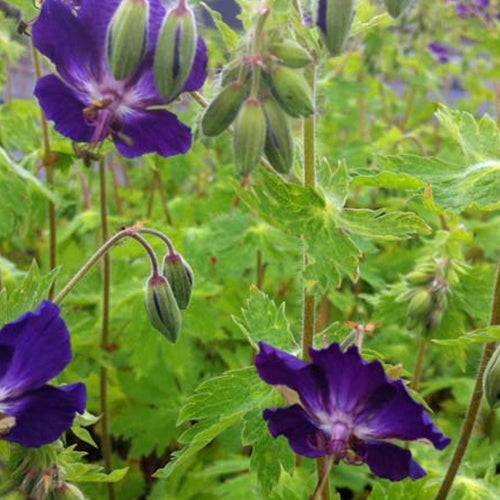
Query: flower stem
point(320, 491)
point(260, 270)
point(475, 401)
point(164, 197)
point(116, 188)
point(48, 163)
point(159, 234)
point(106, 292)
point(419, 364)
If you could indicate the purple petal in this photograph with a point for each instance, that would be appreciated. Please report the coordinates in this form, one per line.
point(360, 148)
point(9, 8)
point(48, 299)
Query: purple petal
point(41, 350)
point(277, 367)
point(58, 34)
point(154, 131)
point(389, 461)
point(199, 72)
point(351, 379)
point(321, 17)
point(393, 414)
point(64, 106)
point(44, 414)
point(294, 423)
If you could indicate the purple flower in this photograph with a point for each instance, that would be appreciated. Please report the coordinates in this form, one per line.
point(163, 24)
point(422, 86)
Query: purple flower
point(348, 409)
point(440, 51)
point(34, 349)
point(86, 102)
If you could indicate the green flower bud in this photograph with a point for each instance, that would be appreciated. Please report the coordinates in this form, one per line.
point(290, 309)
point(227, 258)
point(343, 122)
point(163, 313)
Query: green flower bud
point(222, 111)
point(279, 138)
point(175, 50)
point(396, 7)
point(127, 37)
point(249, 136)
point(491, 380)
point(234, 71)
point(334, 20)
point(180, 277)
point(291, 90)
point(420, 277)
point(420, 305)
point(291, 54)
point(163, 312)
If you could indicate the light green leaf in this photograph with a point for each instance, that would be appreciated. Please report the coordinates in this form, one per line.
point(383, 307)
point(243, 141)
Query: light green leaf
point(480, 336)
point(229, 36)
point(262, 320)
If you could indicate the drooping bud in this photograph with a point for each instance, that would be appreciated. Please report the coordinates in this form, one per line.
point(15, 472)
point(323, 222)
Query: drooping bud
point(279, 138)
point(180, 277)
point(491, 380)
point(291, 54)
point(127, 37)
point(222, 111)
point(163, 312)
point(420, 305)
point(334, 19)
point(291, 90)
point(396, 7)
point(249, 136)
point(175, 50)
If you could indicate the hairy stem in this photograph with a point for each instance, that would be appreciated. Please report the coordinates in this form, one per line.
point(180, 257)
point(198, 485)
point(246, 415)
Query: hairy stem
point(48, 163)
point(116, 188)
point(475, 401)
point(164, 197)
point(319, 492)
point(105, 337)
point(419, 363)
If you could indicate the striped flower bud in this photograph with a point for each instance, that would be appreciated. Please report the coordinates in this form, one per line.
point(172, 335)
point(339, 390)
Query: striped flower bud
point(180, 277)
point(420, 305)
point(334, 19)
point(396, 7)
point(491, 380)
point(291, 54)
point(279, 138)
point(126, 37)
point(249, 136)
point(291, 90)
point(163, 312)
point(222, 111)
point(175, 50)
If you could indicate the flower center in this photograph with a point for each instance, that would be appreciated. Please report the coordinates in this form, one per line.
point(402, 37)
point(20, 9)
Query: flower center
point(339, 441)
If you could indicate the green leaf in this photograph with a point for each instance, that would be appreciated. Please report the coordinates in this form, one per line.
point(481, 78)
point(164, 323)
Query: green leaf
point(234, 392)
point(480, 336)
point(262, 320)
point(229, 36)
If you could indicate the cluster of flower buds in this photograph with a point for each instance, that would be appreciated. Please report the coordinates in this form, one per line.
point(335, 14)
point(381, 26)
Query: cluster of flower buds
point(396, 7)
point(427, 294)
point(168, 293)
point(491, 380)
point(261, 113)
point(175, 49)
point(41, 484)
point(334, 19)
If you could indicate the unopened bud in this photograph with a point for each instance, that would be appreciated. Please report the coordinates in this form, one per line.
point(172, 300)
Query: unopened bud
point(175, 50)
point(127, 37)
point(249, 136)
point(334, 19)
point(279, 138)
point(491, 380)
point(396, 7)
point(180, 277)
point(163, 312)
point(234, 71)
point(420, 277)
point(292, 91)
point(291, 54)
point(420, 305)
point(222, 111)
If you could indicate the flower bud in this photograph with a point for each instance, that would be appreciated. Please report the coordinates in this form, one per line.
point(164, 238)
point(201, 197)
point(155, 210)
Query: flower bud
point(291, 54)
point(127, 37)
point(291, 90)
point(163, 311)
point(233, 72)
point(180, 277)
point(175, 50)
point(222, 111)
point(420, 277)
point(279, 138)
point(420, 305)
point(396, 7)
point(249, 136)
point(491, 380)
point(334, 19)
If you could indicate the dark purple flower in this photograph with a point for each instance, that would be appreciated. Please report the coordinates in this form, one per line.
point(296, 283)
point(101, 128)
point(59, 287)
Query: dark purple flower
point(86, 102)
point(348, 409)
point(440, 51)
point(34, 349)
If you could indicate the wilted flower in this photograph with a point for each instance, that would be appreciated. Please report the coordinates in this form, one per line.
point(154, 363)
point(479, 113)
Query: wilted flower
point(34, 349)
point(86, 102)
point(348, 409)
